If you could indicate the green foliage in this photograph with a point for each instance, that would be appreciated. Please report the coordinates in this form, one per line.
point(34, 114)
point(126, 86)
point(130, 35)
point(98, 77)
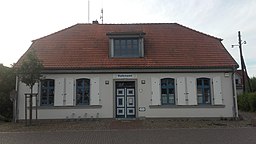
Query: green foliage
point(243, 103)
point(29, 71)
point(253, 83)
point(247, 102)
point(7, 84)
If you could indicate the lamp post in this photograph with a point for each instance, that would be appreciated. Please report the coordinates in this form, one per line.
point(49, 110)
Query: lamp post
point(241, 58)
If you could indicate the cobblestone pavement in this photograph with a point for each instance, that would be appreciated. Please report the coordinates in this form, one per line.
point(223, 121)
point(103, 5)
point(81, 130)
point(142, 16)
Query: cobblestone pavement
point(134, 136)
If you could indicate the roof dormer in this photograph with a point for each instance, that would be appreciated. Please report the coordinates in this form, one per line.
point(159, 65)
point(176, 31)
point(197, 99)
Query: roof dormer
point(126, 44)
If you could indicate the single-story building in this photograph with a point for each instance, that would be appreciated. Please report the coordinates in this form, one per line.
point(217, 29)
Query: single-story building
point(152, 70)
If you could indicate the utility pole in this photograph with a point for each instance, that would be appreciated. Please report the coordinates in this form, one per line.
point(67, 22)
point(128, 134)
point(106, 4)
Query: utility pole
point(242, 60)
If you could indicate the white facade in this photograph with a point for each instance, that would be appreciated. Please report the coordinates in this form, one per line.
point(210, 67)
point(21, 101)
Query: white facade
point(103, 101)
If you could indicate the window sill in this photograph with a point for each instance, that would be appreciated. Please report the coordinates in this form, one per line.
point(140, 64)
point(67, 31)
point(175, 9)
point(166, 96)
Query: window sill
point(187, 106)
point(69, 107)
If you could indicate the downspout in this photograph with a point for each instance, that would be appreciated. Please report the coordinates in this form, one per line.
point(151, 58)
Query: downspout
point(235, 108)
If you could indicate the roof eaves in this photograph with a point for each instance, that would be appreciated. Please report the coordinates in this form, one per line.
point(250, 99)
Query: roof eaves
point(136, 67)
point(137, 70)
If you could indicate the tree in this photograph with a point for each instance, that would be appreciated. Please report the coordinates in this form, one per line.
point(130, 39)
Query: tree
point(29, 72)
point(7, 83)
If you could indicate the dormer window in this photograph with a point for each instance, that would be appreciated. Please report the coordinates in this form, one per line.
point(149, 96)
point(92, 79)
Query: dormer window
point(126, 45)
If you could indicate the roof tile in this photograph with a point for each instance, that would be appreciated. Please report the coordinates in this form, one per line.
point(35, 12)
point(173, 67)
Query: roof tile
point(166, 45)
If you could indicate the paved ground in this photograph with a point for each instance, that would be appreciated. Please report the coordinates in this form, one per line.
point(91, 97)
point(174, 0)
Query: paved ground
point(110, 131)
point(134, 136)
point(109, 124)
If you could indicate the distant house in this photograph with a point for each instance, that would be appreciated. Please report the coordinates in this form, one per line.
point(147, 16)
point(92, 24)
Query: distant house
point(161, 70)
point(239, 81)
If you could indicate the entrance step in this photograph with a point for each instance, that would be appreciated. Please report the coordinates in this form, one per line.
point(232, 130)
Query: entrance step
point(126, 124)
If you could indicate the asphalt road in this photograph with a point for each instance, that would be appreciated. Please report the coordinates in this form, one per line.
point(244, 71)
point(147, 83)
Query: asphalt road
point(150, 136)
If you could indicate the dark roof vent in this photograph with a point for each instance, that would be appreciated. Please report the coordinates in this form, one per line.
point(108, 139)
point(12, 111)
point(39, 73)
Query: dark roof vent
point(95, 22)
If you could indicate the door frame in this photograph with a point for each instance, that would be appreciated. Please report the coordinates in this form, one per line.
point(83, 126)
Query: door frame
point(114, 96)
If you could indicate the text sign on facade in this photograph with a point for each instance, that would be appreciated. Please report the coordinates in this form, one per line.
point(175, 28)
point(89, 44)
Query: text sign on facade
point(125, 76)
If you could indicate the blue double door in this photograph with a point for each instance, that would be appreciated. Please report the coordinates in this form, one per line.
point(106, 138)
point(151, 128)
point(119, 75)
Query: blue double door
point(125, 99)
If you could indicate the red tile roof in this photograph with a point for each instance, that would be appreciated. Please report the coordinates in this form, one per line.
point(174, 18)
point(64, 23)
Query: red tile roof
point(86, 46)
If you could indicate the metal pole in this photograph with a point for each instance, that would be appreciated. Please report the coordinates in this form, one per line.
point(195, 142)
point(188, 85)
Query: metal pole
point(36, 107)
point(26, 120)
point(30, 106)
point(88, 11)
point(101, 16)
point(241, 58)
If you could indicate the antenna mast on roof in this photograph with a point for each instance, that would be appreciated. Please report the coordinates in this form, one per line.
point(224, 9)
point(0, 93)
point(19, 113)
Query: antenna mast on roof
point(88, 11)
point(101, 17)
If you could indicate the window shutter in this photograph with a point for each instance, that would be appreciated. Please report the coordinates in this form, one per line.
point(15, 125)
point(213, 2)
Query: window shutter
point(69, 91)
point(191, 91)
point(94, 91)
point(58, 92)
point(217, 93)
point(155, 84)
point(181, 90)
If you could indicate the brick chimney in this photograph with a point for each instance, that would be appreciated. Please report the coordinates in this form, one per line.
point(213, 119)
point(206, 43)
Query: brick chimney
point(95, 22)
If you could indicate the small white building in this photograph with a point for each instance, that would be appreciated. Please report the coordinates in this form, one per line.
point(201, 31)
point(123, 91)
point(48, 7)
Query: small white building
point(161, 70)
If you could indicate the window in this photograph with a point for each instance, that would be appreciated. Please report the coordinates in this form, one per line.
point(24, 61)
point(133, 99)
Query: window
point(237, 81)
point(126, 45)
point(47, 92)
point(203, 91)
point(83, 91)
point(167, 91)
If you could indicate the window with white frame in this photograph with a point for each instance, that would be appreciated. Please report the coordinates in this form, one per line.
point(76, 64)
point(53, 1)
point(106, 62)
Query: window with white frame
point(167, 91)
point(83, 91)
point(126, 45)
point(47, 92)
point(203, 91)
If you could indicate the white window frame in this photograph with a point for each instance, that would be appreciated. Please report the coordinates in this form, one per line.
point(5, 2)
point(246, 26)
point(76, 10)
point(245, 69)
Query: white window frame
point(125, 35)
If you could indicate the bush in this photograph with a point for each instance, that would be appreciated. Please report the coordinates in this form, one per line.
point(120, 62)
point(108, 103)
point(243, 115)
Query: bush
point(7, 84)
point(243, 103)
point(247, 102)
point(252, 102)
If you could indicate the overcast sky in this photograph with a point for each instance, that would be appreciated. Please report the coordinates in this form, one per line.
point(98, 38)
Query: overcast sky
point(26, 20)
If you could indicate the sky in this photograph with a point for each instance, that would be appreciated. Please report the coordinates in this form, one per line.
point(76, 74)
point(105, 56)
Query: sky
point(25, 20)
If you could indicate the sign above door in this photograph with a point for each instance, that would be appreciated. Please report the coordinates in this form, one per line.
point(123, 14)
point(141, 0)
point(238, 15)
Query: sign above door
point(124, 76)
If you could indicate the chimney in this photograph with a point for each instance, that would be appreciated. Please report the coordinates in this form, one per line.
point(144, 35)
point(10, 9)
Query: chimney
point(95, 22)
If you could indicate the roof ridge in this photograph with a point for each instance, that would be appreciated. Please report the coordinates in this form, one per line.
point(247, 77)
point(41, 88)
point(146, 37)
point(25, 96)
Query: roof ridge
point(127, 23)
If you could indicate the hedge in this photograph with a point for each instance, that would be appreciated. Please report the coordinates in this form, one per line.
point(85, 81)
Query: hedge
point(247, 102)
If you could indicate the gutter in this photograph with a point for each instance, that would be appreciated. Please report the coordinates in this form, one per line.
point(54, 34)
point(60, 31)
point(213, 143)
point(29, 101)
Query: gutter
point(235, 107)
point(136, 70)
